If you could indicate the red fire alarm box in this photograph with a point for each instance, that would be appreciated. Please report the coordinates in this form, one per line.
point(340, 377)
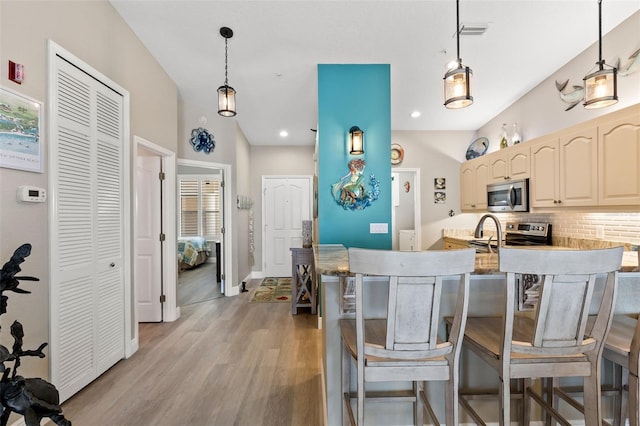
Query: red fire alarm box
point(16, 72)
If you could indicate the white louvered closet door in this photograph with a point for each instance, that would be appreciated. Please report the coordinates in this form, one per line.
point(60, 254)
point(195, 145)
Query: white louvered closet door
point(87, 274)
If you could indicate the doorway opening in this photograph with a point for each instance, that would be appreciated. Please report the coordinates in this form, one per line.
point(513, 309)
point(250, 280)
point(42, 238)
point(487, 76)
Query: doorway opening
point(202, 243)
point(406, 213)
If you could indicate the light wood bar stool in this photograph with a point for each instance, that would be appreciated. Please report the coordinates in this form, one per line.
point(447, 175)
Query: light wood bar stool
point(404, 346)
point(557, 342)
point(621, 348)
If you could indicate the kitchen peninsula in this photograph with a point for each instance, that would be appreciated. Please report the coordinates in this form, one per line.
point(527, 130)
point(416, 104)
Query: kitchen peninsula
point(486, 291)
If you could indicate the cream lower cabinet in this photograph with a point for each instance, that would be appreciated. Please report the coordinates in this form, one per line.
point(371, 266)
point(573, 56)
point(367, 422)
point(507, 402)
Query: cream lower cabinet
point(474, 177)
point(619, 161)
point(564, 169)
point(509, 164)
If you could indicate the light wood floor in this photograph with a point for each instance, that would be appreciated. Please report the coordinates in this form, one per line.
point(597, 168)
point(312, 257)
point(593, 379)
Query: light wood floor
point(198, 284)
point(224, 362)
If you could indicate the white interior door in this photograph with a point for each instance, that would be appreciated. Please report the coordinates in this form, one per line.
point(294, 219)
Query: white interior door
point(88, 249)
point(286, 203)
point(148, 266)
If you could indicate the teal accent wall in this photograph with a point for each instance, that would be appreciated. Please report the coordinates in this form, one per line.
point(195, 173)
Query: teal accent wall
point(354, 95)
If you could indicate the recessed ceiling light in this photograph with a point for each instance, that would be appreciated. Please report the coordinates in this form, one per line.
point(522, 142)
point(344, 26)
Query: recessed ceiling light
point(284, 133)
point(415, 114)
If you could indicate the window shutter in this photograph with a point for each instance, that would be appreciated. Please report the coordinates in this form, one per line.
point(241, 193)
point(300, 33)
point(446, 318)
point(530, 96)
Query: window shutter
point(200, 208)
point(189, 208)
point(210, 208)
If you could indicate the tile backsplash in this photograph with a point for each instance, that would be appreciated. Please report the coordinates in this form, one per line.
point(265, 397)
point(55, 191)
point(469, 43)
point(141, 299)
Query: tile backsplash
point(614, 227)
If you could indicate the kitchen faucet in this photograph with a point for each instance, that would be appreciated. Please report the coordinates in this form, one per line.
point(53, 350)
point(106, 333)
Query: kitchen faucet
point(478, 232)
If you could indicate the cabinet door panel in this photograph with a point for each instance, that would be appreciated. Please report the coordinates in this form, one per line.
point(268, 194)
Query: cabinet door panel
point(473, 179)
point(579, 168)
point(467, 178)
point(519, 162)
point(498, 169)
point(482, 178)
point(544, 173)
point(619, 161)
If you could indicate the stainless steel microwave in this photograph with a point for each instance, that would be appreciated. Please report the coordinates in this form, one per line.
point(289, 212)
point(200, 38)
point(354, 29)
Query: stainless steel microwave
point(510, 196)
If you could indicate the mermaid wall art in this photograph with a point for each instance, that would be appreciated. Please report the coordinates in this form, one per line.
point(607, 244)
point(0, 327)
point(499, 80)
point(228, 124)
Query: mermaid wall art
point(353, 191)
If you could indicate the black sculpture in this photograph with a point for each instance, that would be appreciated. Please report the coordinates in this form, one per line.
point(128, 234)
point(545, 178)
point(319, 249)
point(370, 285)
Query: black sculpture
point(34, 398)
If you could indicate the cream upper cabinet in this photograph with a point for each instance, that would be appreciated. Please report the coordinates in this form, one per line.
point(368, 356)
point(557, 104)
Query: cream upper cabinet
point(473, 177)
point(579, 167)
point(596, 163)
point(564, 170)
point(509, 164)
point(619, 160)
point(544, 186)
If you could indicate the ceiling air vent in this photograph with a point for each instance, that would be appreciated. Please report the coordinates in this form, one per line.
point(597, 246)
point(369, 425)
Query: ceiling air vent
point(473, 29)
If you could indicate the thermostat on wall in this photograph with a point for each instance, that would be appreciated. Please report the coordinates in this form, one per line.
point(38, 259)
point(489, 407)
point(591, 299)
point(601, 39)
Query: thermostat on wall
point(31, 194)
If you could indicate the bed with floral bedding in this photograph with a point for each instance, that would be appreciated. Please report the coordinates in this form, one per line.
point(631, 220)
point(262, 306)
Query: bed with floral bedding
point(192, 251)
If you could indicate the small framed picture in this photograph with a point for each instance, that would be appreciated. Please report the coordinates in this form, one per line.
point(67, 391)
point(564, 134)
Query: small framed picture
point(439, 197)
point(439, 183)
point(20, 132)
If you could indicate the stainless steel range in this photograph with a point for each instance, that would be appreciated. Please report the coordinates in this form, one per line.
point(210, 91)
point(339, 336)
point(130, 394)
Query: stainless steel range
point(527, 234)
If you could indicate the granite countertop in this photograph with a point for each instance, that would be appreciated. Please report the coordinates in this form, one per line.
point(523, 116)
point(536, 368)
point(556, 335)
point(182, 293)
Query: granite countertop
point(333, 259)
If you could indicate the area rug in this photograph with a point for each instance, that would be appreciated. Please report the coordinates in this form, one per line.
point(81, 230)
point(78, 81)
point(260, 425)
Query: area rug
point(273, 290)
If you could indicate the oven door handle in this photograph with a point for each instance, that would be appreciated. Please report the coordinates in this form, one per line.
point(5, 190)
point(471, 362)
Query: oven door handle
point(509, 198)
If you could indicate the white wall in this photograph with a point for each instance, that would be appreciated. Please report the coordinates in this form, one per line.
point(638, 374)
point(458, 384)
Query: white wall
point(437, 154)
point(243, 185)
point(96, 34)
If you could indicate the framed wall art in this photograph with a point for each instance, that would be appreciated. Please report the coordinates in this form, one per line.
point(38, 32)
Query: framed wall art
point(20, 132)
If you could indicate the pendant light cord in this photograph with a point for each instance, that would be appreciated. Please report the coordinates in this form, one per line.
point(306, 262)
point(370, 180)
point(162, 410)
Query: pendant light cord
point(226, 79)
point(600, 61)
point(458, 32)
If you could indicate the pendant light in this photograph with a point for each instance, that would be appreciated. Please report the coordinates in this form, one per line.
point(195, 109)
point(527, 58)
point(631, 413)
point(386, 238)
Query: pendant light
point(601, 86)
point(457, 81)
point(226, 93)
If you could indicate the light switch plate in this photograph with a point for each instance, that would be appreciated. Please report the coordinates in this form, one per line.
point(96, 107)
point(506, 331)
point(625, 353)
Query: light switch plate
point(378, 228)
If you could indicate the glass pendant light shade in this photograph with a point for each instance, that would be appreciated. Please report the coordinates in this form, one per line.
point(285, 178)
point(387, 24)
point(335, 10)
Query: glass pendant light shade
point(457, 81)
point(226, 101)
point(601, 88)
point(457, 87)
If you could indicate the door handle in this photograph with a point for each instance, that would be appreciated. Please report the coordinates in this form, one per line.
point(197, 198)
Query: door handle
point(112, 265)
point(509, 198)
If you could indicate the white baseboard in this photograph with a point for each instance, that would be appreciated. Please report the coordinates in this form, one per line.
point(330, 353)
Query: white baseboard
point(258, 275)
point(248, 277)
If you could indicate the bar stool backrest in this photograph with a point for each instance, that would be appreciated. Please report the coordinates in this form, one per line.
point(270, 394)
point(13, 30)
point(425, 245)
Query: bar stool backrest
point(415, 290)
point(567, 285)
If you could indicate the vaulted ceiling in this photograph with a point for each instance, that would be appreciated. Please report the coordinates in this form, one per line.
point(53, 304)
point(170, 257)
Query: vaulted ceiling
point(277, 45)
